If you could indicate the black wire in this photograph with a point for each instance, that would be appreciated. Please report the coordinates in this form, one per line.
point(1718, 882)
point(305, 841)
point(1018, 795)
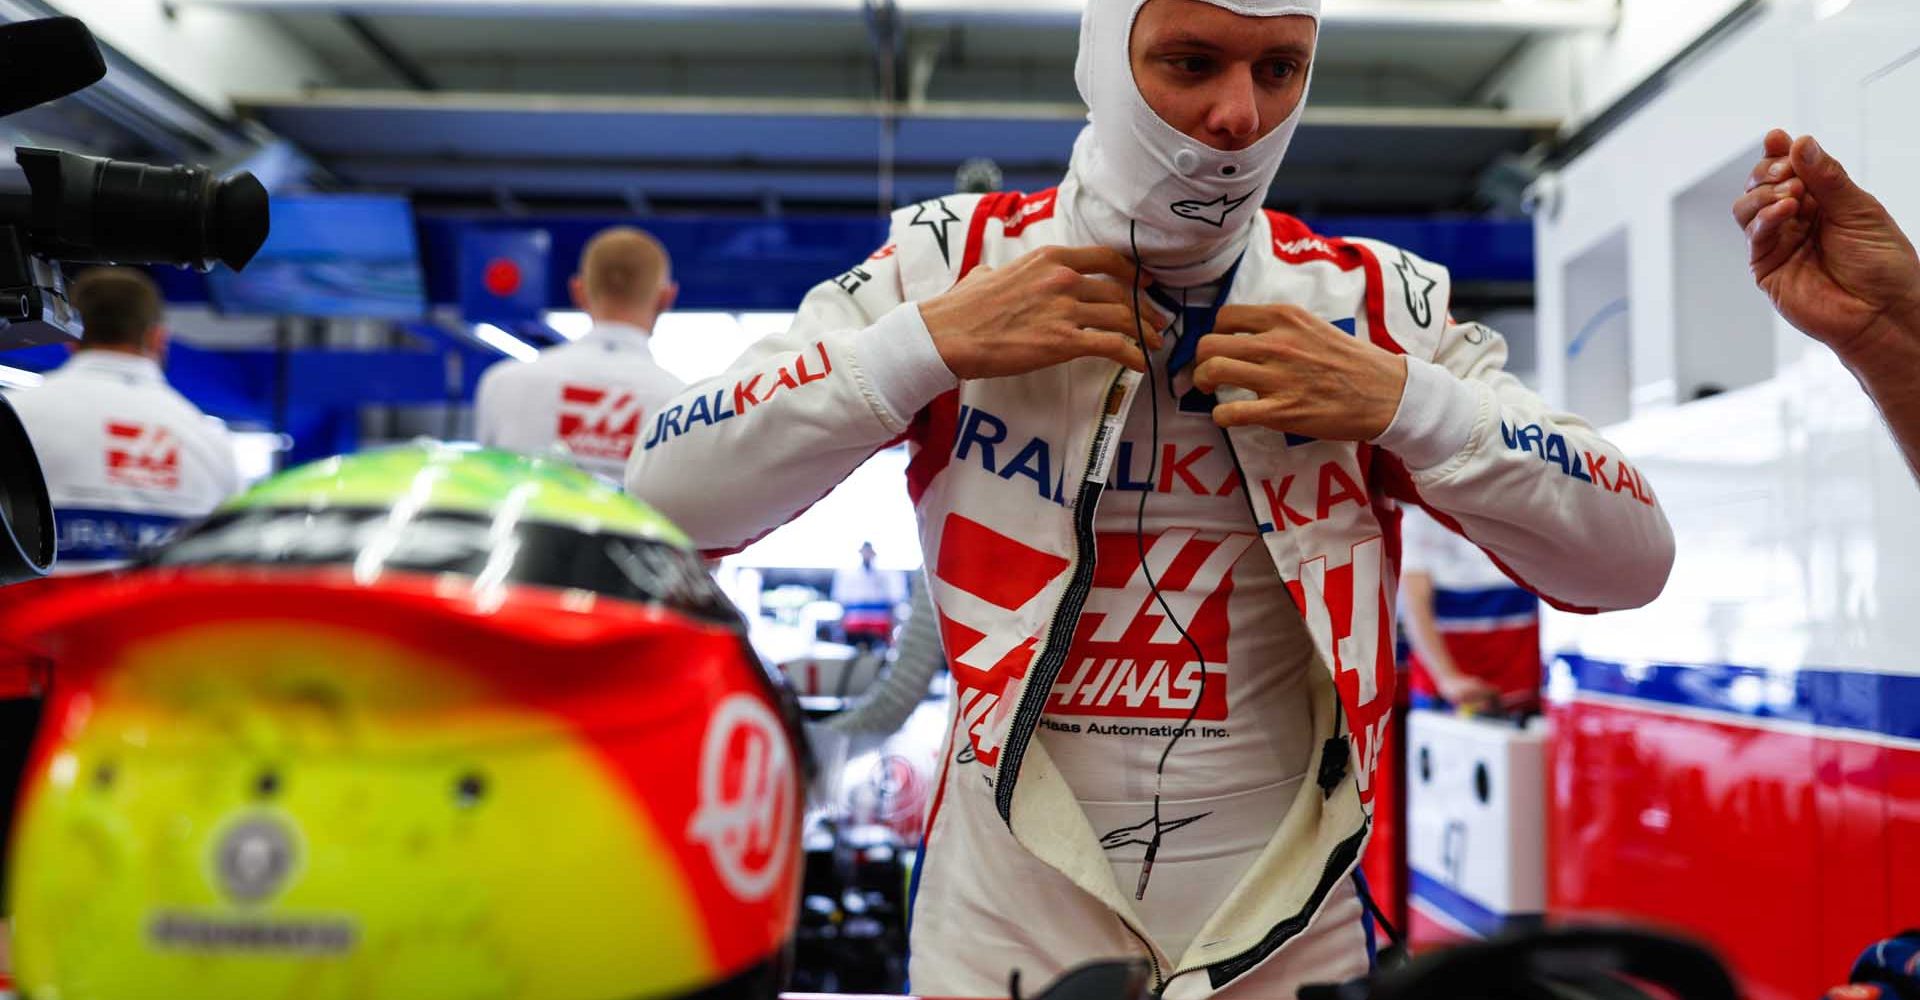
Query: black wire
point(1140, 545)
point(1394, 937)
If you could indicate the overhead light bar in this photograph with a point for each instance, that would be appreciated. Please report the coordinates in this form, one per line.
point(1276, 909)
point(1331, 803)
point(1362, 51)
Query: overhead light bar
point(570, 324)
point(504, 342)
point(1538, 16)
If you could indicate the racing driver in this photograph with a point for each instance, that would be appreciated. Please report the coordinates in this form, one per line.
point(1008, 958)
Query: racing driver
point(1159, 438)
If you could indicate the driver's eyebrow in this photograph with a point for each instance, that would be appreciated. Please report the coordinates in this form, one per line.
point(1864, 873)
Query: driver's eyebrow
point(1189, 41)
point(1185, 40)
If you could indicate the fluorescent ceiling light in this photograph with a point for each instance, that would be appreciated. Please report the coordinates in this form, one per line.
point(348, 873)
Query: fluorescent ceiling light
point(1559, 15)
point(504, 342)
point(1823, 9)
point(16, 378)
point(570, 324)
point(255, 452)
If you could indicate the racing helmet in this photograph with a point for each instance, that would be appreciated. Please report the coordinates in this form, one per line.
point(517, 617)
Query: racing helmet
point(432, 723)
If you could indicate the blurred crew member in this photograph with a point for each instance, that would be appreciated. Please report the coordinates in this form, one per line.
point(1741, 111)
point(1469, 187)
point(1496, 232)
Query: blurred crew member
point(1838, 267)
point(128, 460)
point(592, 396)
point(867, 597)
point(1475, 633)
point(1159, 536)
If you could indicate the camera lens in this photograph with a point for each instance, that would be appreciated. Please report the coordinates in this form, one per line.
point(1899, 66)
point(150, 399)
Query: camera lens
point(87, 208)
point(177, 215)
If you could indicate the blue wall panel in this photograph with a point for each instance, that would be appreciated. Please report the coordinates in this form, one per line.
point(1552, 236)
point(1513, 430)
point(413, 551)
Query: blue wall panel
point(745, 264)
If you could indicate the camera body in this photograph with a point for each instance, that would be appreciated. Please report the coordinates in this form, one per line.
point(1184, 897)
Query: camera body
point(87, 209)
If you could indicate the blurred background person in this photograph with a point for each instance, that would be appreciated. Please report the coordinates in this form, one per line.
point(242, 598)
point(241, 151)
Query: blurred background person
point(1475, 633)
point(128, 460)
point(868, 596)
point(591, 396)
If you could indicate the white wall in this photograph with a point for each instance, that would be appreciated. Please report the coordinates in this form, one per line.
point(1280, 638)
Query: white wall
point(1631, 181)
point(1580, 75)
point(207, 53)
point(1722, 324)
point(1596, 323)
point(1793, 512)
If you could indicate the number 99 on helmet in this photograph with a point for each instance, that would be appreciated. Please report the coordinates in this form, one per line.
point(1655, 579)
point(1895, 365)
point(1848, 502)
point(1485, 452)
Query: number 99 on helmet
point(432, 723)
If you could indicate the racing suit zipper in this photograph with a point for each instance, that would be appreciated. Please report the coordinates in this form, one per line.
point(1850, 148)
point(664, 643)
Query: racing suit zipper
point(1343, 859)
point(1246, 488)
point(1344, 856)
point(1153, 959)
point(1054, 649)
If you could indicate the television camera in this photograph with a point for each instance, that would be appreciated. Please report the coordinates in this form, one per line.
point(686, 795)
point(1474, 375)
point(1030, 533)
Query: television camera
point(84, 209)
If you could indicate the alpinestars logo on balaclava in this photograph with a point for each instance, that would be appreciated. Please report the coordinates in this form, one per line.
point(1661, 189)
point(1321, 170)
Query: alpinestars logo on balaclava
point(1143, 182)
point(1213, 213)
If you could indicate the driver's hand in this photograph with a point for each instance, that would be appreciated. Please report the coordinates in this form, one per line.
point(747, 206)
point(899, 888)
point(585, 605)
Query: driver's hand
point(1051, 305)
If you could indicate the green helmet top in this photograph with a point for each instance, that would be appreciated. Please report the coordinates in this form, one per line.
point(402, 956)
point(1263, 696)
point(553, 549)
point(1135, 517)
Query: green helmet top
point(431, 476)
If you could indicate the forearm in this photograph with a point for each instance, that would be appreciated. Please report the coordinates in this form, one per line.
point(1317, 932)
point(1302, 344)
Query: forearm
point(1541, 491)
point(738, 455)
point(1416, 611)
point(1888, 367)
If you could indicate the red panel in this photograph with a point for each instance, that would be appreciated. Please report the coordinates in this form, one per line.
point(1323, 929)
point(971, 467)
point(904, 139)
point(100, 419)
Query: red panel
point(1902, 776)
point(1424, 933)
point(1385, 863)
point(1855, 908)
point(1700, 826)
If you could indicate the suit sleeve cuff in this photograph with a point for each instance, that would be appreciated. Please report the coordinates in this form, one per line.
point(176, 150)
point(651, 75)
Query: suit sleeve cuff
point(902, 367)
point(1435, 419)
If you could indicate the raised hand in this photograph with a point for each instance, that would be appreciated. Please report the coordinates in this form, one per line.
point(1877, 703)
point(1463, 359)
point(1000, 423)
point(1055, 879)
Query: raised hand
point(1825, 251)
point(1051, 305)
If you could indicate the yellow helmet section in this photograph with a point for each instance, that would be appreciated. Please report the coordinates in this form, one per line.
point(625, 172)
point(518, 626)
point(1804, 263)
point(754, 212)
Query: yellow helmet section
point(304, 810)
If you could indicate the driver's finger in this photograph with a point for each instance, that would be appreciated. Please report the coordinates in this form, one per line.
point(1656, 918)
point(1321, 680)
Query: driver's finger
point(1116, 318)
point(1102, 290)
point(1211, 374)
point(1245, 412)
point(1101, 260)
point(1109, 345)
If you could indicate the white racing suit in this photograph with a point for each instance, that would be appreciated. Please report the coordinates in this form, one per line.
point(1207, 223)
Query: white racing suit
point(128, 460)
point(1006, 474)
point(588, 399)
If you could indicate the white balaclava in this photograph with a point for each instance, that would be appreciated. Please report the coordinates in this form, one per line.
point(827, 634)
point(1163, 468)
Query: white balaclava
point(1188, 204)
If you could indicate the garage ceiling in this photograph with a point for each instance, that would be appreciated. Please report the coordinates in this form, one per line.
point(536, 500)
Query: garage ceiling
point(716, 106)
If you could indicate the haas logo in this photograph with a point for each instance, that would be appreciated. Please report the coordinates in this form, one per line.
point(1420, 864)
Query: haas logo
point(142, 456)
point(598, 422)
point(985, 581)
point(1128, 658)
point(748, 791)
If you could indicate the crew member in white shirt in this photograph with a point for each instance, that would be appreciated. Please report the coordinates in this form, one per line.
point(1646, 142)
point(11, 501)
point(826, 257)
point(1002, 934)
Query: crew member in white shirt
point(868, 597)
point(590, 397)
point(128, 460)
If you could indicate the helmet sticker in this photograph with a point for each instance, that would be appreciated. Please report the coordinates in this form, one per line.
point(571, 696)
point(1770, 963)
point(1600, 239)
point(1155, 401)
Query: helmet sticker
point(748, 797)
